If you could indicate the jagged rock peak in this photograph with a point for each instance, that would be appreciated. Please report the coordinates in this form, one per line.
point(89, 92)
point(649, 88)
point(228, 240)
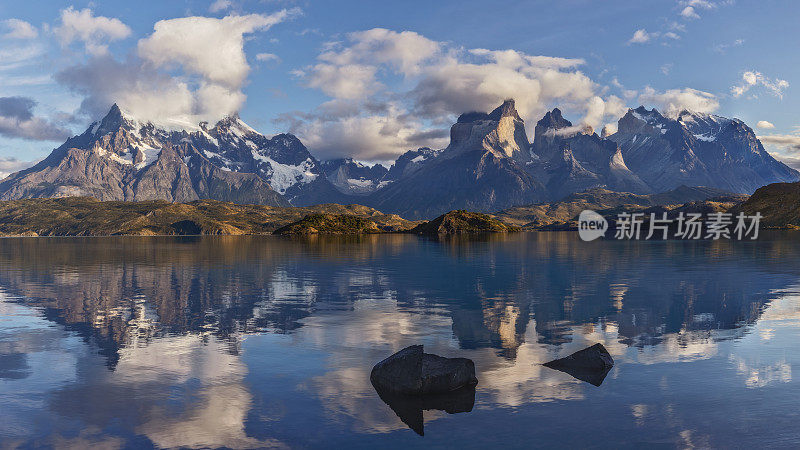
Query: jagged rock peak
point(553, 120)
point(644, 111)
point(507, 109)
point(115, 119)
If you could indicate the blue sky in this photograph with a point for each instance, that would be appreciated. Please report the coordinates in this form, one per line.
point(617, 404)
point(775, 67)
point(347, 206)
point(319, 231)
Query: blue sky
point(372, 79)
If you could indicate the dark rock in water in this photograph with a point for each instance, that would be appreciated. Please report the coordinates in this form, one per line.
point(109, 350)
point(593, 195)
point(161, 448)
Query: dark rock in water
point(440, 374)
point(400, 373)
point(409, 408)
point(413, 372)
point(590, 364)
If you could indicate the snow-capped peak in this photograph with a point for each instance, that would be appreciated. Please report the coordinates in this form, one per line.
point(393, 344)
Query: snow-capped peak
point(705, 127)
point(631, 122)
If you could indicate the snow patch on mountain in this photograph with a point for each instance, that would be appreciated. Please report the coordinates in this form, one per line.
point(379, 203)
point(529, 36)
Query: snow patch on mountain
point(705, 127)
point(283, 176)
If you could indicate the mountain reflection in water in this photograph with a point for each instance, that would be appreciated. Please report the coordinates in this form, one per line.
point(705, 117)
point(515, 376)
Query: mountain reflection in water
point(262, 341)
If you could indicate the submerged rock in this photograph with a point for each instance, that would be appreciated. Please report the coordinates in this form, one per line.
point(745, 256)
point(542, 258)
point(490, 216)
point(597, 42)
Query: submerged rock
point(413, 372)
point(591, 364)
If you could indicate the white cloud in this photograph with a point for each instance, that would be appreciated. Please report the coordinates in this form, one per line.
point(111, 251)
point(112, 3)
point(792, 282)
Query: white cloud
point(11, 165)
point(750, 79)
point(788, 142)
point(372, 136)
point(268, 57)
point(702, 4)
point(784, 147)
point(94, 31)
point(219, 5)
point(641, 36)
point(764, 124)
point(404, 50)
point(673, 101)
point(349, 81)
point(666, 68)
point(209, 47)
point(689, 13)
point(211, 69)
point(349, 72)
point(19, 29)
point(438, 81)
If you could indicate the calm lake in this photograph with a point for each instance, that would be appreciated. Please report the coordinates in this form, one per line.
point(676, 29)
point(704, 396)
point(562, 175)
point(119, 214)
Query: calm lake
point(268, 342)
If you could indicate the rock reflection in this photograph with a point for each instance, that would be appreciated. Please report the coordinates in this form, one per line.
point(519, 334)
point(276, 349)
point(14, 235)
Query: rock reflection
point(409, 408)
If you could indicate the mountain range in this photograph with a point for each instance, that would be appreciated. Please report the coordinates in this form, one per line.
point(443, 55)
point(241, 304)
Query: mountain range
point(489, 164)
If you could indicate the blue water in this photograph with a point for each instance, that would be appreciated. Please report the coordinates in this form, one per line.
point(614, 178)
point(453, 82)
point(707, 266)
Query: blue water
point(268, 342)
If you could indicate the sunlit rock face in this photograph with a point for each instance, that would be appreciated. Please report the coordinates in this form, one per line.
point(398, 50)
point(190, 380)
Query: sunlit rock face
point(482, 169)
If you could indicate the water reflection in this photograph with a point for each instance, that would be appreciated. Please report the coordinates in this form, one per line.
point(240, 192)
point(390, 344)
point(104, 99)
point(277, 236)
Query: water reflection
point(409, 408)
point(259, 341)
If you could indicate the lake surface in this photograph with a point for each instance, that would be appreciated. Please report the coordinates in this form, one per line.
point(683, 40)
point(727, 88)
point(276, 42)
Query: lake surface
point(268, 342)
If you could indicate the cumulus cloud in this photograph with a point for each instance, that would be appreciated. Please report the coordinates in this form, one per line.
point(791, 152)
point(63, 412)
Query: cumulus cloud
point(206, 53)
point(348, 72)
point(18, 121)
point(137, 88)
point(691, 6)
point(641, 36)
point(764, 124)
point(438, 82)
point(205, 46)
point(689, 13)
point(378, 135)
point(95, 32)
point(219, 5)
point(750, 79)
point(19, 29)
point(673, 101)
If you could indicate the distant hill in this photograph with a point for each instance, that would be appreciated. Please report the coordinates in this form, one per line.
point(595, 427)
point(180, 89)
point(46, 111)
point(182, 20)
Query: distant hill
point(81, 216)
point(330, 224)
point(463, 222)
point(778, 203)
point(599, 199)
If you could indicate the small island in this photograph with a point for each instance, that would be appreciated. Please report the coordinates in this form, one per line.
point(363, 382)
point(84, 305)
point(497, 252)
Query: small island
point(463, 222)
point(330, 224)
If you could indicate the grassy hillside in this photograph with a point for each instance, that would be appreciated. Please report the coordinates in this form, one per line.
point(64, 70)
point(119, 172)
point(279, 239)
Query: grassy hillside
point(330, 224)
point(778, 203)
point(546, 214)
point(81, 216)
point(463, 222)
